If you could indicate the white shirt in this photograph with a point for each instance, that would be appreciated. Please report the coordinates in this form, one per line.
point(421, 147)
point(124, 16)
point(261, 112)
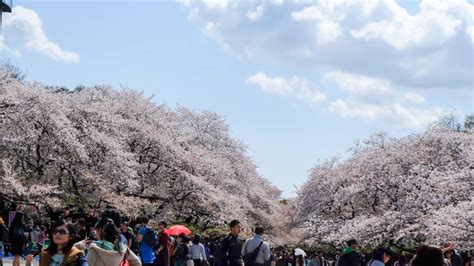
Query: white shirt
point(197, 252)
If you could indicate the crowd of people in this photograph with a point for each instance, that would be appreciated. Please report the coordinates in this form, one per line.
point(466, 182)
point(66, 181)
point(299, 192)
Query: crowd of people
point(110, 241)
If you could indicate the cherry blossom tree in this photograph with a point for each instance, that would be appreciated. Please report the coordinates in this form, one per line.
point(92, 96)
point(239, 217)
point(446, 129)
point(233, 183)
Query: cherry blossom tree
point(413, 189)
point(98, 147)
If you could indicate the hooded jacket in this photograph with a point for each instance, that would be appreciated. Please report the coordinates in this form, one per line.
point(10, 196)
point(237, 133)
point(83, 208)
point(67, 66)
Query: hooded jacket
point(102, 253)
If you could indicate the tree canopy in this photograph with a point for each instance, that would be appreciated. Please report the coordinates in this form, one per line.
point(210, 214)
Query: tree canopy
point(97, 146)
point(414, 189)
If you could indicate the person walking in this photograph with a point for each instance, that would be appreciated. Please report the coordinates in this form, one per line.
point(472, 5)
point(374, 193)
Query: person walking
point(350, 256)
point(198, 253)
point(381, 257)
point(4, 238)
point(231, 247)
point(162, 251)
point(255, 249)
point(402, 260)
point(428, 255)
point(318, 260)
point(146, 238)
point(18, 238)
point(451, 255)
point(108, 249)
point(182, 252)
point(61, 250)
point(127, 234)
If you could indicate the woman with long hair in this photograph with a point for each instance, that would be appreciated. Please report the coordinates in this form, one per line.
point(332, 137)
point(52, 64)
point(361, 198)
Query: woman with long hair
point(17, 237)
point(428, 256)
point(61, 250)
point(300, 260)
point(108, 249)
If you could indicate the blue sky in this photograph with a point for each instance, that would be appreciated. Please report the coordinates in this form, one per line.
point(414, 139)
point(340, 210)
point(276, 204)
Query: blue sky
point(297, 82)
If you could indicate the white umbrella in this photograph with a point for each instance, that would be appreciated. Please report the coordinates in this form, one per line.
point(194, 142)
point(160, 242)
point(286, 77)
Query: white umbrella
point(299, 251)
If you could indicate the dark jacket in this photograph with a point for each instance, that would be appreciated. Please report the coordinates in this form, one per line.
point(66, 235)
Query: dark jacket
point(4, 233)
point(456, 259)
point(74, 257)
point(17, 236)
point(230, 253)
point(350, 257)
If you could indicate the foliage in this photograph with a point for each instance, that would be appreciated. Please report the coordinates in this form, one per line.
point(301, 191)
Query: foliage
point(404, 191)
point(98, 147)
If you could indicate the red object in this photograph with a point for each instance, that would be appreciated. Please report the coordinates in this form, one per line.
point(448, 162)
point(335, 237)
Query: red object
point(176, 230)
point(125, 261)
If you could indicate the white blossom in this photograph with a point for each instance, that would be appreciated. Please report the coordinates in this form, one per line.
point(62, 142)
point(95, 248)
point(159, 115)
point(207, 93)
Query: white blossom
point(100, 147)
point(417, 188)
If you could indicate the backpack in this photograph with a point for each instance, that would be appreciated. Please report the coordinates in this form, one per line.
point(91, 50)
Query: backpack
point(343, 261)
point(348, 259)
point(5, 235)
point(151, 238)
point(249, 258)
point(218, 256)
point(134, 245)
point(17, 236)
point(182, 252)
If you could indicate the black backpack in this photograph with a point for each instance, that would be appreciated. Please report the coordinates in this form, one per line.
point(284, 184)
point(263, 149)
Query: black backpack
point(182, 252)
point(134, 245)
point(250, 257)
point(151, 238)
point(347, 259)
point(343, 261)
point(4, 234)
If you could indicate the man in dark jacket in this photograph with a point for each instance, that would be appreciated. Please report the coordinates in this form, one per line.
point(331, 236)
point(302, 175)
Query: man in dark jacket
point(231, 247)
point(350, 256)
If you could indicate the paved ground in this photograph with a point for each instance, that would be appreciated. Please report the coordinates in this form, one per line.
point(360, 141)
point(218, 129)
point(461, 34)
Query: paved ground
point(8, 262)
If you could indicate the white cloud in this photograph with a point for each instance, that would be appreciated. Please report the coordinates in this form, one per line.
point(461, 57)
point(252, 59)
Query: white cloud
point(255, 15)
point(216, 4)
point(395, 113)
point(358, 84)
point(414, 97)
point(211, 28)
point(296, 87)
point(365, 111)
point(327, 32)
point(427, 28)
point(278, 2)
point(375, 99)
point(470, 32)
point(366, 98)
point(327, 26)
point(275, 85)
point(372, 56)
point(376, 38)
point(308, 13)
point(26, 28)
point(7, 50)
